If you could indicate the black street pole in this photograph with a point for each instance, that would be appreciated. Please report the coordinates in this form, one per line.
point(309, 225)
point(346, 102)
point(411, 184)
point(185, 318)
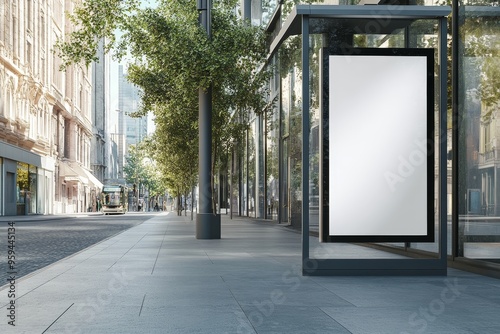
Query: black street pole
point(207, 222)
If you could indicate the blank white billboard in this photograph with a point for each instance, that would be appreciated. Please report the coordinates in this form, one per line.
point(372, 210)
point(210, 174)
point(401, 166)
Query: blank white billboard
point(378, 145)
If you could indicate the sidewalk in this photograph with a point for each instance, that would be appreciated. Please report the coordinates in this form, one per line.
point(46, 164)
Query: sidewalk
point(157, 278)
point(36, 217)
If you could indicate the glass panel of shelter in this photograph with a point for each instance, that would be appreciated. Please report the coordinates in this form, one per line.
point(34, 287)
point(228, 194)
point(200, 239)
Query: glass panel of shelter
point(478, 149)
point(397, 33)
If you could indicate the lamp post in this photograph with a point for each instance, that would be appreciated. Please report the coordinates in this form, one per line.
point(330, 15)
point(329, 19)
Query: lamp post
point(207, 223)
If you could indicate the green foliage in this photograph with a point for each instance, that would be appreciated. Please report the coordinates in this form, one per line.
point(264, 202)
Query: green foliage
point(174, 58)
point(175, 146)
point(478, 39)
point(287, 5)
point(480, 36)
point(23, 177)
point(95, 20)
point(140, 168)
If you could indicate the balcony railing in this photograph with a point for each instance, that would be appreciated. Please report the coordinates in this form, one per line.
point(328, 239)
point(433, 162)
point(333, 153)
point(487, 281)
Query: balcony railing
point(487, 157)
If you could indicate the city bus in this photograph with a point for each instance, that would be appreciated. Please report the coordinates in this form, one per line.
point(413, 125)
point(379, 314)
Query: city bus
point(114, 199)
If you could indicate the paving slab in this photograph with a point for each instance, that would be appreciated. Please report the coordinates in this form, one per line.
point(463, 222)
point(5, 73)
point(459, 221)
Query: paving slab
point(157, 278)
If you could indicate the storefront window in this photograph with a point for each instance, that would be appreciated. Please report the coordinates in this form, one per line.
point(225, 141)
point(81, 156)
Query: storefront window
point(272, 165)
point(23, 195)
point(22, 188)
point(244, 173)
point(295, 149)
point(285, 102)
point(26, 194)
point(291, 131)
point(42, 188)
point(251, 184)
point(272, 128)
point(235, 182)
point(32, 189)
point(260, 167)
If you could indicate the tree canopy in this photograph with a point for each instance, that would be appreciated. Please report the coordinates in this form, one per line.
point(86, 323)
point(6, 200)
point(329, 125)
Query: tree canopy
point(173, 58)
point(141, 169)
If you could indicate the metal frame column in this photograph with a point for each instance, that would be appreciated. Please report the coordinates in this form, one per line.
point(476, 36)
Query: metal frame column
point(305, 141)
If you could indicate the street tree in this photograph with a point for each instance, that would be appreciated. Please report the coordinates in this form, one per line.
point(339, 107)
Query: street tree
point(173, 58)
point(140, 169)
point(133, 168)
point(175, 148)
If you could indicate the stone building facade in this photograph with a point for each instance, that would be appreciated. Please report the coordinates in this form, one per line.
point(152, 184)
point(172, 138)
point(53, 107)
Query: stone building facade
point(45, 114)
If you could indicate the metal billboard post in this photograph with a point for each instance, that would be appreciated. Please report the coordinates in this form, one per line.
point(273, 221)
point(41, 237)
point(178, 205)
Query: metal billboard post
point(207, 222)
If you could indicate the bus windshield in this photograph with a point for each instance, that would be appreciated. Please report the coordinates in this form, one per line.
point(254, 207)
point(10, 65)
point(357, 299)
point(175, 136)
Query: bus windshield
point(112, 198)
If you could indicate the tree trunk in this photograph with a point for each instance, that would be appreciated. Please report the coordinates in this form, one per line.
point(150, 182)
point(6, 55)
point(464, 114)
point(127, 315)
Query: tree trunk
point(179, 205)
point(192, 202)
point(185, 205)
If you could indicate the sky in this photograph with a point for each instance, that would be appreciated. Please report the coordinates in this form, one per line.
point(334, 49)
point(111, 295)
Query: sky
point(113, 74)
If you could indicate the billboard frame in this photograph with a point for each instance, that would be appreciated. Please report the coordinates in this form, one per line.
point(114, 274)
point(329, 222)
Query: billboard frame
point(328, 187)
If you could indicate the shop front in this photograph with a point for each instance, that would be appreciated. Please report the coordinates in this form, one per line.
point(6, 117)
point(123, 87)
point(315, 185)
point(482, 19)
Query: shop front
point(26, 182)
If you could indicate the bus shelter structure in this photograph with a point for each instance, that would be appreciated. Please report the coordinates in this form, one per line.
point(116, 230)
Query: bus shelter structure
point(339, 25)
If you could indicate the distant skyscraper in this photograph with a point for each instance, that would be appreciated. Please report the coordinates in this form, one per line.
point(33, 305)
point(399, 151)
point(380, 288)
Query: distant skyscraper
point(104, 155)
point(98, 154)
point(134, 129)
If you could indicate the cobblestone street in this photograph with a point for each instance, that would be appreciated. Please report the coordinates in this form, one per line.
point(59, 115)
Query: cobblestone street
point(39, 243)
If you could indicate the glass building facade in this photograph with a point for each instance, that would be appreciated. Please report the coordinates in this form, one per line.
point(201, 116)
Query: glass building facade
point(266, 174)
